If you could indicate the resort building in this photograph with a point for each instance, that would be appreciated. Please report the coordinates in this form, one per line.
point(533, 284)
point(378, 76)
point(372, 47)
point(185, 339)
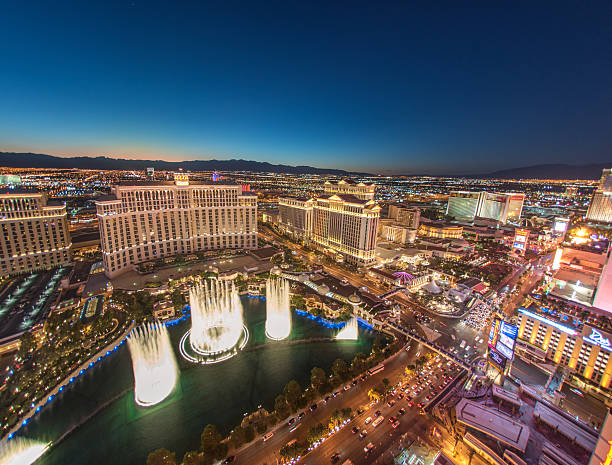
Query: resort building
point(501, 207)
point(406, 216)
point(583, 348)
point(360, 190)
point(392, 231)
point(440, 230)
point(33, 235)
point(295, 216)
point(342, 224)
point(600, 208)
point(143, 222)
point(346, 225)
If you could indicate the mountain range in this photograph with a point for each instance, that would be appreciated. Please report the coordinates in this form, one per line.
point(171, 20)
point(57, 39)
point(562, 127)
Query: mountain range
point(36, 160)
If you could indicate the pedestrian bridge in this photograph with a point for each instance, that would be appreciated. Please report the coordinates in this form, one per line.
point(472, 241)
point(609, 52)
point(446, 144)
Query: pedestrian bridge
point(391, 292)
point(431, 345)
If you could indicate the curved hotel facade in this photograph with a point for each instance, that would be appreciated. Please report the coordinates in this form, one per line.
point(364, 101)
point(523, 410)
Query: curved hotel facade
point(143, 222)
point(343, 220)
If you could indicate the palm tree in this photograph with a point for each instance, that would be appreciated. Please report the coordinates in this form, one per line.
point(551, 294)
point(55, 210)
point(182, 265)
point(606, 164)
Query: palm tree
point(374, 395)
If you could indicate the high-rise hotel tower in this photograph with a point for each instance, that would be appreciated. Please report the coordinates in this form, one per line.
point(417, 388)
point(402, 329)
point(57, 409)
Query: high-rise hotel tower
point(33, 235)
point(143, 222)
point(600, 208)
point(343, 220)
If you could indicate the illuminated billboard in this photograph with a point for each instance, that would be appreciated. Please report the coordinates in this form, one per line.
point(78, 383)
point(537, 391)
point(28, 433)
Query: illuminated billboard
point(497, 360)
point(494, 332)
point(557, 260)
point(520, 240)
point(502, 338)
point(561, 225)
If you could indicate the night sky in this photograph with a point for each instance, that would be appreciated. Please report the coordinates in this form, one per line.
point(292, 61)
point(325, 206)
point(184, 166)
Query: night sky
point(374, 86)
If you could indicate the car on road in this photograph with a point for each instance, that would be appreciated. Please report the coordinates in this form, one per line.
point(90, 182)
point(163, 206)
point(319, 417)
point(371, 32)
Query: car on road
point(355, 429)
point(377, 413)
point(301, 415)
point(392, 420)
point(401, 411)
point(354, 383)
point(230, 459)
point(327, 398)
point(363, 434)
point(291, 421)
point(313, 407)
point(368, 420)
point(335, 458)
point(395, 424)
point(267, 436)
point(391, 403)
point(368, 448)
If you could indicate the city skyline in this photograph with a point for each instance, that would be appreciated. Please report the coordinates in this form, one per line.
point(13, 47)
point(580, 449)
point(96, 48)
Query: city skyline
point(394, 90)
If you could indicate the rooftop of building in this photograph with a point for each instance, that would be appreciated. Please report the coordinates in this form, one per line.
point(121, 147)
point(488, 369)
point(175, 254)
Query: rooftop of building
point(493, 423)
point(265, 253)
point(348, 198)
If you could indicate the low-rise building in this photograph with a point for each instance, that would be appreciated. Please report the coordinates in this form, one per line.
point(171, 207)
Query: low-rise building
point(392, 231)
point(440, 229)
point(164, 309)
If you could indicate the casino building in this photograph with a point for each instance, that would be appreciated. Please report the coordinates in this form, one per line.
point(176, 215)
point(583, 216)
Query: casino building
point(343, 221)
point(33, 235)
point(142, 222)
point(584, 348)
point(600, 208)
point(502, 207)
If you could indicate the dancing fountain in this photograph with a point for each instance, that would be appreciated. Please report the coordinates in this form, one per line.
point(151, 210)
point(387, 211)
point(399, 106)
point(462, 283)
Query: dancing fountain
point(21, 451)
point(278, 313)
point(350, 331)
point(217, 329)
point(153, 362)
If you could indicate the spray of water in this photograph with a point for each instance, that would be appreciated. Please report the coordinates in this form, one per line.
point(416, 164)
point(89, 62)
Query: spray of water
point(21, 451)
point(350, 331)
point(216, 317)
point(278, 313)
point(153, 362)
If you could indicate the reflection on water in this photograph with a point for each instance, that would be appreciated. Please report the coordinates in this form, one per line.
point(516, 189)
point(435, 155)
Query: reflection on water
point(120, 432)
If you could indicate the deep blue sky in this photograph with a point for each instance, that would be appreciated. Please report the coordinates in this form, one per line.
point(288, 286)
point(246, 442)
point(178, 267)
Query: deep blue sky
point(374, 86)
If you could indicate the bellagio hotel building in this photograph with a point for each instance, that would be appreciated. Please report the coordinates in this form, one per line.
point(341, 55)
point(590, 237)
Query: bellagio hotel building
point(33, 235)
point(143, 222)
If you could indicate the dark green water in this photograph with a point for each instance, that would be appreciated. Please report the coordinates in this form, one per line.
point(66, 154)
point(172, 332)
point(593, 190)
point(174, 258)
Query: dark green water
point(122, 433)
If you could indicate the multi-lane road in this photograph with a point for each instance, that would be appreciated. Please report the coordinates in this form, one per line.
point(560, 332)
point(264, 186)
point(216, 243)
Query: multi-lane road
point(346, 443)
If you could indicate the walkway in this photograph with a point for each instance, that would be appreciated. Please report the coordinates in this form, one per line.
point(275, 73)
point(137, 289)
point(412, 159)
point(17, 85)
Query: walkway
point(67, 380)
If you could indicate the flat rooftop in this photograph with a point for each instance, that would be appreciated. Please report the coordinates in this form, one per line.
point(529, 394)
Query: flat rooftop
point(587, 439)
point(493, 423)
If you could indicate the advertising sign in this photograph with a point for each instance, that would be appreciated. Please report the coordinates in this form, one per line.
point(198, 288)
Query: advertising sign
point(494, 332)
point(502, 338)
point(497, 360)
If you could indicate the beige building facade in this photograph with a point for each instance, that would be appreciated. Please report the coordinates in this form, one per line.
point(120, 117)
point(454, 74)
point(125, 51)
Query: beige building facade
point(143, 222)
point(340, 223)
point(33, 235)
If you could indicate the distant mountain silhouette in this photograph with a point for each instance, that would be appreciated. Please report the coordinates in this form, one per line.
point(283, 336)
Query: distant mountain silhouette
point(550, 171)
point(37, 160)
